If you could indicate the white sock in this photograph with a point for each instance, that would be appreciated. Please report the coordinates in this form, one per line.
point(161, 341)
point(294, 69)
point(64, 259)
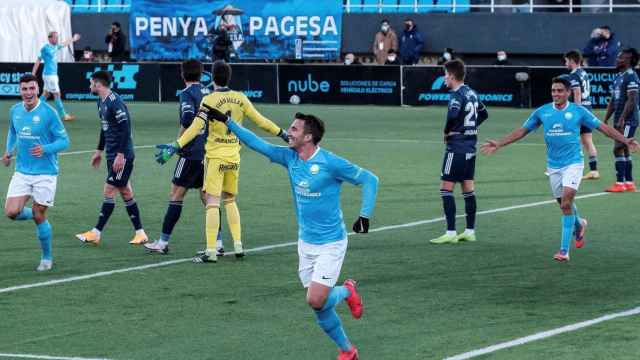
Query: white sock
point(219, 244)
point(469, 231)
point(140, 232)
point(451, 233)
point(96, 231)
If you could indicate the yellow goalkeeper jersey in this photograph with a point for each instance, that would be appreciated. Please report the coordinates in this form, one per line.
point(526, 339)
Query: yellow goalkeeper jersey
point(221, 143)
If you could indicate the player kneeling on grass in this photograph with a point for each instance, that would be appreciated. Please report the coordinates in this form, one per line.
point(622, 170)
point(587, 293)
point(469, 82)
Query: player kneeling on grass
point(561, 121)
point(316, 176)
point(116, 141)
point(36, 135)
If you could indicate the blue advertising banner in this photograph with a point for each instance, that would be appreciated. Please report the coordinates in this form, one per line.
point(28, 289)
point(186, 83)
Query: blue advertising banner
point(256, 29)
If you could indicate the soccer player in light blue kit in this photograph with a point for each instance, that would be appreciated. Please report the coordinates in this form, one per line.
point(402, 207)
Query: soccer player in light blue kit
point(561, 121)
point(35, 137)
point(316, 177)
point(50, 73)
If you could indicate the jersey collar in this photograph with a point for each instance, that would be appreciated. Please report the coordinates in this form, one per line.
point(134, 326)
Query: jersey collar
point(314, 154)
point(35, 107)
point(563, 109)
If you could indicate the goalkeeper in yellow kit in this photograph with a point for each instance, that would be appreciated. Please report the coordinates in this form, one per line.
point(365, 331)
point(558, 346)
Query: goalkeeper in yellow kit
point(222, 156)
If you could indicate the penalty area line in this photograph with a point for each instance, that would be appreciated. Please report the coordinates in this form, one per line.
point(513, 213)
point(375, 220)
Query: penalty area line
point(270, 247)
point(46, 357)
point(544, 334)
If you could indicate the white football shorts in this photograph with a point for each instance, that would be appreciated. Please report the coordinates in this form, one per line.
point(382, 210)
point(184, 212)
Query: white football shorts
point(568, 176)
point(51, 83)
point(41, 188)
point(320, 263)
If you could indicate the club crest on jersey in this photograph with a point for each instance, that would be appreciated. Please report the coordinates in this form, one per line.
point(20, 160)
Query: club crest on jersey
point(314, 169)
point(568, 116)
point(36, 119)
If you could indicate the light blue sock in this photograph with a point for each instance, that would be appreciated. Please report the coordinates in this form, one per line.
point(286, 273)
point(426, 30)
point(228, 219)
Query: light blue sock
point(60, 107)
point(568, 222)
point(330, 322)
point(44, 235)
point(578, 225)
point(25, 214)
point(335, 297)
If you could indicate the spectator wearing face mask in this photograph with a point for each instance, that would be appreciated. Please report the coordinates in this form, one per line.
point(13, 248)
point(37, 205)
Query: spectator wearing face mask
point(87, 55)
point(602, 48)
point(392, 58)
point(447, 55)
point(501, 58)
point(384, 41)
point(411, 43)
point(350, 59)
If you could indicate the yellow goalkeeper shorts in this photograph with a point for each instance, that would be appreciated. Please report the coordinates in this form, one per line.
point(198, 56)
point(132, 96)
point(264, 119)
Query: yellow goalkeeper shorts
point(220, 176)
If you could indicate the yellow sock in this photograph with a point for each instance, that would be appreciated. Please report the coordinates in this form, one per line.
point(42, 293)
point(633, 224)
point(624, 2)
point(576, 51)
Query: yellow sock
point(233, 219)
point(212, 224)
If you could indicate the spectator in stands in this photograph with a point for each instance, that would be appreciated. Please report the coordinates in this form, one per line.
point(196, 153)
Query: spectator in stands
point(87, 55)
point(411, 43)
point(501, 58)
point(602, 48)
point(350, 59)
point(447, 55)
point(221, 43)
point(384, 41)
point(116, 41)
point(392, 58)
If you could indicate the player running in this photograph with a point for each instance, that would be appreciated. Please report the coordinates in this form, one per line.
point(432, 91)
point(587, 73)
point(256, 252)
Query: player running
point(36, 136)
point(116, 141)
point(466, 113)
point(50, 72)
point(222, 153)
point(316, 177)
point(624, 108)
point(561, 121)
point(580, 91)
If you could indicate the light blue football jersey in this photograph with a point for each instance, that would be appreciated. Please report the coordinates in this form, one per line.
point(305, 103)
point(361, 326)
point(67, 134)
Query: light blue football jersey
point(48, 55)
point(562, 131)
point(41, 126)
point(316, 187)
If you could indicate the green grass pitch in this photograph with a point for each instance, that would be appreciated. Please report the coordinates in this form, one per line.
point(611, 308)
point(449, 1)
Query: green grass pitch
point(421, 301)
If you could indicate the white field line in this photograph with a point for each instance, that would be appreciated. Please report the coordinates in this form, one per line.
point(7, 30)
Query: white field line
point(266, 247)
point(47, 357)
point(544, 335)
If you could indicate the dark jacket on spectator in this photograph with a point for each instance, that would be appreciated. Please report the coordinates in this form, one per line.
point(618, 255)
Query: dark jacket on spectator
point(410, 46)
point(118, 51)
point(601, 52)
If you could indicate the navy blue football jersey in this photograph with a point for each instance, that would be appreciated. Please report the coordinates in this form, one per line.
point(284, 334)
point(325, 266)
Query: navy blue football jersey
point(624, 83)
point(115, 136)
point(190, 99)
point(466, 112)
point(579, 79)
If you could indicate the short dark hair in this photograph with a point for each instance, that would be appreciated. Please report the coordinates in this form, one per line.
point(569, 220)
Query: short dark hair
point(384, 21)
point(456, 68)
point(116, 24)
point(192, 70)
point(575, 55)
point(634, 55)
point(312, 125)
point(50, 35)
point(103, 77)
point(28, 78)
point(221, 73)
point(562, 79)
point(605, 27)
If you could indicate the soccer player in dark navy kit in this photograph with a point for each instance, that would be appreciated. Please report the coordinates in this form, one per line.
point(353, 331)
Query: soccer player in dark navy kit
point(466, 112)
point(116, 141)
point(624, 108)
point(580, 92)
point(189, 170)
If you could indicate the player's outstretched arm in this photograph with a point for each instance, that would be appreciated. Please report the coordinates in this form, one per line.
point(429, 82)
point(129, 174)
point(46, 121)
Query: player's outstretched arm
point(36, 65)
point(166, 151)
point(492, 146)
point(264, 123)
point(68, 42)
point(617, 136)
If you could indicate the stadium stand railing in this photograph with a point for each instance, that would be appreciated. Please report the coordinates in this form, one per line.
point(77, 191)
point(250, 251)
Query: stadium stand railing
point(463, 6)
point(99, 6)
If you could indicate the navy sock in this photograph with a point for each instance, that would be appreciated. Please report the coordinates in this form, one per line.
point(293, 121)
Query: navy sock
point(108, 204)
point(171, 217)
point(134, 213)
point(621, 168)
point(449, 206)
point(470, 208)
point(593, 163)
point(628, 176)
